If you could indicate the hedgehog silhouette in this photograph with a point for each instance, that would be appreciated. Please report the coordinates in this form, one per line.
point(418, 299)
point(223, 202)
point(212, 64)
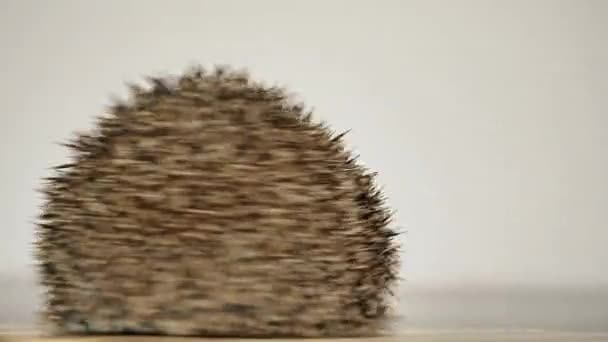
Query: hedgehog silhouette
point(207, 204)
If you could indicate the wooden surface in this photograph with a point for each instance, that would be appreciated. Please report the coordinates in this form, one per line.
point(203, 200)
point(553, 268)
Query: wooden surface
point(413, 336)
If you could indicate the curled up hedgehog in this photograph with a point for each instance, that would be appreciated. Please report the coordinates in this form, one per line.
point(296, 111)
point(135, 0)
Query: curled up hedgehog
point(210, 205)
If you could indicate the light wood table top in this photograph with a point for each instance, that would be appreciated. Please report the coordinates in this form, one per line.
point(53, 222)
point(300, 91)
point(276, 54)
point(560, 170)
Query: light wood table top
point(406, 336)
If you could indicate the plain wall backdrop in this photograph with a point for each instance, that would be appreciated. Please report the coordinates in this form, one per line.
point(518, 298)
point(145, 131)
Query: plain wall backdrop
point(486, 120)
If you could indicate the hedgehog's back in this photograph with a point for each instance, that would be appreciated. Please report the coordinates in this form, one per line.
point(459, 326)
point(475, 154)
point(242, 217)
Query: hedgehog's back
point(211, 207)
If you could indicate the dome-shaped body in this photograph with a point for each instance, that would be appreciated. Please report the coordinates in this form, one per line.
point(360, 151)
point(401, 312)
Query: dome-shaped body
point(208, 205)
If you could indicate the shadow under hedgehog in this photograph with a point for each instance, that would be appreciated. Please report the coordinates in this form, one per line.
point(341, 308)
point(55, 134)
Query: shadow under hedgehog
point(210, 205)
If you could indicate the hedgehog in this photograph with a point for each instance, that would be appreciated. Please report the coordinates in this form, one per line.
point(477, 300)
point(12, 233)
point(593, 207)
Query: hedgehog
point(209, 204)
